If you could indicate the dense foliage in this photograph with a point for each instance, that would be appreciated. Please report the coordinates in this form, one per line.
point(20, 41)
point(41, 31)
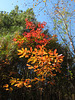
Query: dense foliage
point(30, 66)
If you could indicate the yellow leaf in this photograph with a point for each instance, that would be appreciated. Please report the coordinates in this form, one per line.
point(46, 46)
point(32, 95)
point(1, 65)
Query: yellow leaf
point(29, 60)
point(44, 52)
point(25, 84)
point(29, 86)
point(34, 61)
point(55, 60)
point(22, 55)
point(44, 0)
point(35, 5)
point(30, 67)
point(49, 62)
point(12, 81)
point(23, 49)
point(53, 68)
point(20, 51)
point(35, 49)
point(17, 79)
point(15, 85)
point(20, 84)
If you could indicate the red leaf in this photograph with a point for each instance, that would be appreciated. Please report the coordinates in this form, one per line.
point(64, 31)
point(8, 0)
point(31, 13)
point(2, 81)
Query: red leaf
point(14, 39)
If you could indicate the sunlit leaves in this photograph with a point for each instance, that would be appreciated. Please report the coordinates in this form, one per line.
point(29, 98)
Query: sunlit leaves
point(34, 37)
point(13, 81)
point(23, 52)
point(20, 83)
point(6, 86)
point(44, 63)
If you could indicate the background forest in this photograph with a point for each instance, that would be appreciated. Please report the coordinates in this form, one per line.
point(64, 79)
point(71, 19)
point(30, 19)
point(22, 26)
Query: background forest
point(37, 62)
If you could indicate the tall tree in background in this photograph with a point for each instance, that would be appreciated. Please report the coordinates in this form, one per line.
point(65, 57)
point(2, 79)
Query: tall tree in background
point(15, 20)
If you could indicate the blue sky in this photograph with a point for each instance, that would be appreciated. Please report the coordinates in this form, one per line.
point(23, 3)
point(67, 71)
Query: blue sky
point(8, 5)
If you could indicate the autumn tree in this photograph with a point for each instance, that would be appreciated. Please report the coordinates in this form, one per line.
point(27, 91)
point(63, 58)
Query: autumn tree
point(44, 63)
point(62, 15)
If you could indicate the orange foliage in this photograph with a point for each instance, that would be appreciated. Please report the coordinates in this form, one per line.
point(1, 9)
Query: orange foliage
point(45, 63)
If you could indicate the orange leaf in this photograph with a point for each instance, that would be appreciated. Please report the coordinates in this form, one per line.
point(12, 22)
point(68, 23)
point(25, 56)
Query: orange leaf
point(6, 89)
point(35, 70)
point(26, 56)
point(55, 51)
point(6, 86)
point(28, 65)
point(35, 67)
point(30, 49)
point(51, 53)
